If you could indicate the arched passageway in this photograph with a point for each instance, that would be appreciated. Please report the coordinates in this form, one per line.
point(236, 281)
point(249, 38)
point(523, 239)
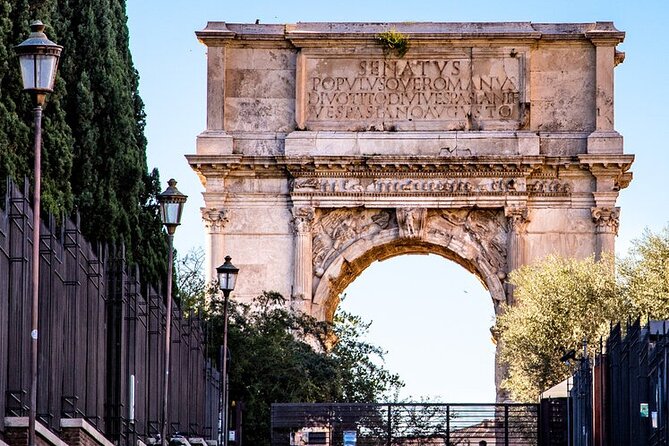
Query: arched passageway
point(433, 318)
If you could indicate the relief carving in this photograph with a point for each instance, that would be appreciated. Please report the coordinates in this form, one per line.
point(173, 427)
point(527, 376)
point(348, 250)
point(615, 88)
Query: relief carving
point(408, 185)
point(484, 229)
point(214, 219)
point(336, 230)
point(411, 222)
point(548, 186)
point(606, 219)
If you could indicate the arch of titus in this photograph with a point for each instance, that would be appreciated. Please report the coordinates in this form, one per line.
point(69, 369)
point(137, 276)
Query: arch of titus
point(491, 144)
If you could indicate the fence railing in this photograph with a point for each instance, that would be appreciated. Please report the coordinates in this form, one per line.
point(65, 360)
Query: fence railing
point(101, 337)
point(624, 399)
point(405, 424)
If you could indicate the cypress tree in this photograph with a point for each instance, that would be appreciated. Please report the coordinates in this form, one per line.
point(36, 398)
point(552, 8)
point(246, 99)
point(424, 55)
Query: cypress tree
point(94, 149)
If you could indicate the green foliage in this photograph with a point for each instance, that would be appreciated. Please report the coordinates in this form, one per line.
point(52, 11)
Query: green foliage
point(559, 303)
point(94, 149)
point(362, 378)
point(394, 41)
point(281, 356)
point(645, 274)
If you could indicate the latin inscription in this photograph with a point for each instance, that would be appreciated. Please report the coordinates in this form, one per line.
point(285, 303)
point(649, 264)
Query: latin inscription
point(448, 89)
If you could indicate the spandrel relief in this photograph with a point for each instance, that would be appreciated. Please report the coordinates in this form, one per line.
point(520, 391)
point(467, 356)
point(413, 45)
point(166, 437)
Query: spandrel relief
point(336, 230)
point(484, 229)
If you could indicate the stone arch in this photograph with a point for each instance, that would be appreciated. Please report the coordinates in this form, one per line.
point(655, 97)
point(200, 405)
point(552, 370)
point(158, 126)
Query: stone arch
point(475, 239)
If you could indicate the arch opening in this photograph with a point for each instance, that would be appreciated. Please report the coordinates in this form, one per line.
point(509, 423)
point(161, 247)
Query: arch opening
point(435, 325)
point(350, 270)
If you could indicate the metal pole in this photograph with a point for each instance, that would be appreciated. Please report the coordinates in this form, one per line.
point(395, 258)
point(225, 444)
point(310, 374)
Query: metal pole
point(32, 415)
point(168, 334)
point(390, 426)
point(220, 397)
point(506, 425)
point(224, 416)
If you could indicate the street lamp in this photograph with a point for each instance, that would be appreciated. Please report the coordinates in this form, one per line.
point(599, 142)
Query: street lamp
point(38, 57)
point(171, 207)
point(227, 277)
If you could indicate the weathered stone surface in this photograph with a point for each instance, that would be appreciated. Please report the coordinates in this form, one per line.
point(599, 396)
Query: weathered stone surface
point(491, 144)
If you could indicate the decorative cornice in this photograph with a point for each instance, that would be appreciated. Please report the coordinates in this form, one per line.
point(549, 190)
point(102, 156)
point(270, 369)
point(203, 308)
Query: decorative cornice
point(317, 34)
point(613, 162)
point(216, 165)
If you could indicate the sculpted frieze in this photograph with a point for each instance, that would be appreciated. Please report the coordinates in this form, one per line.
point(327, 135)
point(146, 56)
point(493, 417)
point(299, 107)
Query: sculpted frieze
point(548, 186)
point(325, 185)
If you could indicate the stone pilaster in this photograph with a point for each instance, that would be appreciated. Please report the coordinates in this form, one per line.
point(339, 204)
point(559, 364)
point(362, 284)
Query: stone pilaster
point(606, 228)
point(518, 218)
point(605, 38)
point(303, 218)
point(214, 220)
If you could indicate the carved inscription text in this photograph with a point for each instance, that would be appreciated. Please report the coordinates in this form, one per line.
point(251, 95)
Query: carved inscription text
point(430, 89)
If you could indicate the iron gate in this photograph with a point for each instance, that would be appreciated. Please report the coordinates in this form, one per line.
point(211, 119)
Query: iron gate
point(405, 424)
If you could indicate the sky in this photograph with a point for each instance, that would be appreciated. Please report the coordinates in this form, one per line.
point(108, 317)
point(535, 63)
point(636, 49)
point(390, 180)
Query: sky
point(435, 326)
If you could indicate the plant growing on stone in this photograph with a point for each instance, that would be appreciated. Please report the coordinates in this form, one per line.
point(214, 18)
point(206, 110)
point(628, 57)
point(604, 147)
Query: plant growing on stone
point(394, 41)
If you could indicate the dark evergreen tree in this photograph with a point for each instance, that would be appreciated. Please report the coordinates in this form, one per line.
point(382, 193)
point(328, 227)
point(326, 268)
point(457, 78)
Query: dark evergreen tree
point(94, 149)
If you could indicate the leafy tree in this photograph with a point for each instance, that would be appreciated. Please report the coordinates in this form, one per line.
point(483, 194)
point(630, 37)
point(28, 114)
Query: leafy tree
point(559, 303)
point(94, 149)
point(281, 356)
point(362, 378)
point(644, 274)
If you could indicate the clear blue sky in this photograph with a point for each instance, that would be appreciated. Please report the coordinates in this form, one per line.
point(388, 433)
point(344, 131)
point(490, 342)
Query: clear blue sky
point(436, 329)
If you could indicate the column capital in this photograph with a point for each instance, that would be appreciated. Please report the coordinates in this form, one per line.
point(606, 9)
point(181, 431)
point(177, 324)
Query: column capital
point(303, 218)
point(214, 219)
point(606, 219)
point(518, 216)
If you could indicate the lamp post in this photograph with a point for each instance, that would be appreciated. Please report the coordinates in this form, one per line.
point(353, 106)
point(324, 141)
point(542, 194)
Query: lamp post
point(38, 57)
point(171, 207)
point(227, 277)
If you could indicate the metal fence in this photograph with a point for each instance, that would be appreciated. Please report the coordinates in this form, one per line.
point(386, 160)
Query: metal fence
point(623, 399)
point(405, 424)
point(580, 395)
point(624, 354)
point(101, 349)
